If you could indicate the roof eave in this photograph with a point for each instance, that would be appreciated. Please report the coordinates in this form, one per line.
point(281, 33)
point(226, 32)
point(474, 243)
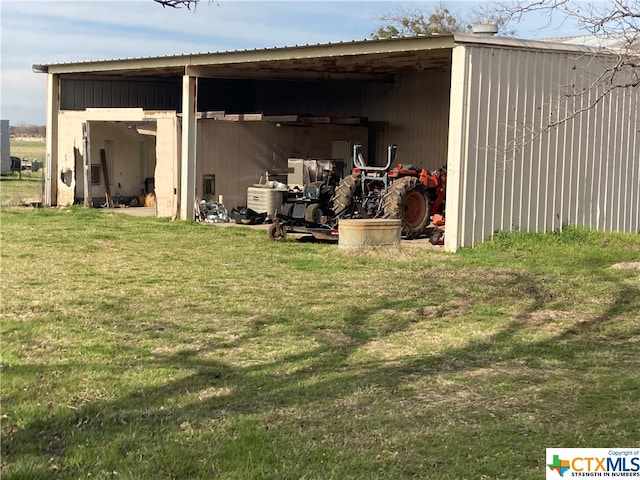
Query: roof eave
point(354, 48)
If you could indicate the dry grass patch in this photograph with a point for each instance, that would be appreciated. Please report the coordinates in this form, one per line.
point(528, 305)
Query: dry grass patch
point(626, 266)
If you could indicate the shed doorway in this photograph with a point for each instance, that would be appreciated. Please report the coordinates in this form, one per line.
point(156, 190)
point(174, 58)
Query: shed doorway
point(117, 169)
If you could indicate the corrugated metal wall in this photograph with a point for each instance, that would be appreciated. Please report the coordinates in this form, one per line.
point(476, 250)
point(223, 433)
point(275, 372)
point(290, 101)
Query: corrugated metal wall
point(509, 171)
point(159, 94)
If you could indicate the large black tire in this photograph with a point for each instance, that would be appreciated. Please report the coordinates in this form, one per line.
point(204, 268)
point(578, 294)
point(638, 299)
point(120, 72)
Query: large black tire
point(344, 193)
point(407, 201)
point(313, 213)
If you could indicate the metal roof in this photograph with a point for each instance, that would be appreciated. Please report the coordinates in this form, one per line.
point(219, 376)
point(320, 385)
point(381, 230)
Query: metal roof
point(610, 42)
point(356, 59)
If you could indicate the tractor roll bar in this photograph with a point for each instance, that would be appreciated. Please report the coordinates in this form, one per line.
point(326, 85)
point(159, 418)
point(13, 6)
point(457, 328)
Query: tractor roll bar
point(359, 162)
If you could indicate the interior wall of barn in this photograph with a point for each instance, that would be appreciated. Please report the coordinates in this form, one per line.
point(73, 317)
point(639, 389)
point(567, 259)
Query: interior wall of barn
point(130, 156)
point(239, 154)
point(508, 172)
point(411, 111)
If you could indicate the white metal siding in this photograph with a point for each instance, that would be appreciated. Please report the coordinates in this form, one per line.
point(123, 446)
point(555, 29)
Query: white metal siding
point(5, 146)
point(511, 173)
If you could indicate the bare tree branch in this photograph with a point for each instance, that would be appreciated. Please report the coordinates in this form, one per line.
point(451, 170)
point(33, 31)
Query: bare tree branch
point(178, 3)
point(613, 27)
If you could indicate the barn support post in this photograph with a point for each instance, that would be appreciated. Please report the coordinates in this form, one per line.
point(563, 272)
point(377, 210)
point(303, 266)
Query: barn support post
point(86, 160)
point(51, 165)
point(188, 157)
point(457, 152)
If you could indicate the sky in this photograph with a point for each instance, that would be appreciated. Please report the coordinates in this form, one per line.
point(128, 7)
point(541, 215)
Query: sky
point(54, 31)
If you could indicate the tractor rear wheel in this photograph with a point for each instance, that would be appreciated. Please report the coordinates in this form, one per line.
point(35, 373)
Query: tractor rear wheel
point(344, 193)
point(407, 201)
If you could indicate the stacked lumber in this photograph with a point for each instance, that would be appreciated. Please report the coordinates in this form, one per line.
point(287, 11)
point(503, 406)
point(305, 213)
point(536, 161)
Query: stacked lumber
point(282, 119)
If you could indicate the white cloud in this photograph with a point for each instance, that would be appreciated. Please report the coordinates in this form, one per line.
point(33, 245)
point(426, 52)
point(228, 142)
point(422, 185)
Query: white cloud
point(23, 96)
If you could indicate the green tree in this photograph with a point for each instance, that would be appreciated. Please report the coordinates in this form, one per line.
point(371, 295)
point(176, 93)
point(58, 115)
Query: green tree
point(441, 20)
point(413, 22)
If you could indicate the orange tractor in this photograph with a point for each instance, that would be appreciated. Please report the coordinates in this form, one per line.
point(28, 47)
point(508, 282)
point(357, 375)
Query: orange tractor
point(405, 192)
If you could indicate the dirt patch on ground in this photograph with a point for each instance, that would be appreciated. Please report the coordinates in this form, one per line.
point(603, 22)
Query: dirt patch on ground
point(422, 242)
point(626, 266)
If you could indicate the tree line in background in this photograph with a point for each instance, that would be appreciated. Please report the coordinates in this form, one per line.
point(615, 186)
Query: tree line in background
point(24, 130)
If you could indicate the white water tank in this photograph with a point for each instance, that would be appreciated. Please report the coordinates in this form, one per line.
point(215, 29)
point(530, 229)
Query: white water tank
point(265, 198)
point(368, 232)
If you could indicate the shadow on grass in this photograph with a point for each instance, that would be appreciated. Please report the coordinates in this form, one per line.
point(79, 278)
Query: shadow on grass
point(434, 408)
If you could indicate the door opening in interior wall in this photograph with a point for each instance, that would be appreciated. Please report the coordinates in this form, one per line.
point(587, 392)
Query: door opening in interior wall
point(208, 186)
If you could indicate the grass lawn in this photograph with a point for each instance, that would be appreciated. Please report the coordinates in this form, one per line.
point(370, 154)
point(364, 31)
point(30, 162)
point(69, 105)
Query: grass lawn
point(29, 149)
point(18, 188)
point(139, 348)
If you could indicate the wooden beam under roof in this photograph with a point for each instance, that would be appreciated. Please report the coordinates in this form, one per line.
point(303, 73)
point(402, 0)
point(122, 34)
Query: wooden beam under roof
point(258, 72)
